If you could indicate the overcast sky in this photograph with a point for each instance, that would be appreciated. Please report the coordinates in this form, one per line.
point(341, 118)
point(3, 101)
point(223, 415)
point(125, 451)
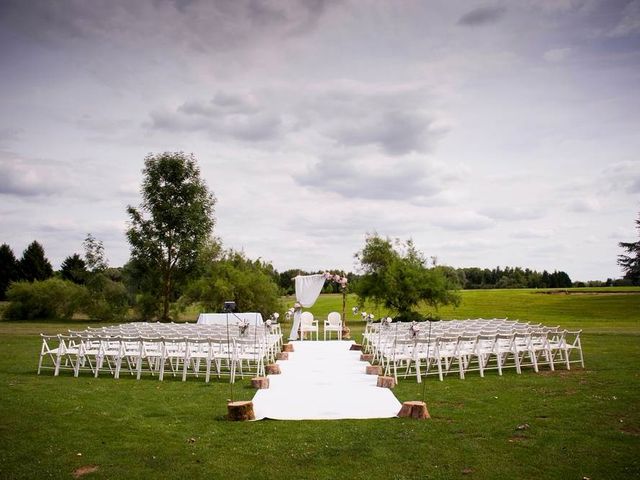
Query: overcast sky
point(491, 133)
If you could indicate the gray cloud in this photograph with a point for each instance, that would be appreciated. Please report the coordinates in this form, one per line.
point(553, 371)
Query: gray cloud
point(463, 221)
point(509, 213)
point(629, 23)
point(381, 178)
point(482, 16)
point(23, 178)
point(224, 116)
point(396, 132)
point(198, 25)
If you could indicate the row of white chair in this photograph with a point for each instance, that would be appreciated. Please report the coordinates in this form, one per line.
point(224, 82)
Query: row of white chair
point(109, 351)
point(418, 354)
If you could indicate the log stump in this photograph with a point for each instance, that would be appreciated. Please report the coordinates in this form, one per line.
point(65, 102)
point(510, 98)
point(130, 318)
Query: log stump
point(273, 369)
point(355, 346)
point(240, 411)
point(386, 382)
point(346, 333)
point(366, 357)
point(287, 347)
point(260, 382)
point(374, 370)
point(414, 409)
point(282, 356)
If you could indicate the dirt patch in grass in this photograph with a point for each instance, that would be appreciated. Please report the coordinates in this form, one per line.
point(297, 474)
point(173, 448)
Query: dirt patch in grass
point(631, 430)
point(84, 470)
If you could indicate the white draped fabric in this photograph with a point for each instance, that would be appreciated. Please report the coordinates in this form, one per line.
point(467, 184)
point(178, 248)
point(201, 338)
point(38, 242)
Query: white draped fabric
point(308, 288)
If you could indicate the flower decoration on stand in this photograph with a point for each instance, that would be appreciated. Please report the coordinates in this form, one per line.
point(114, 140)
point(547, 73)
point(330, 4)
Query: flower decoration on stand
point(414, 329)
point(386, 322)
point(243, 325)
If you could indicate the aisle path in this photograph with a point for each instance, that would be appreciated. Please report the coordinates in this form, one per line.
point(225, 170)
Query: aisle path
point(324, 381)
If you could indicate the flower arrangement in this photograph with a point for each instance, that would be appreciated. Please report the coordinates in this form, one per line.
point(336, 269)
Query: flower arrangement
point(342, 281)
point(414, 329)
point(355, 310)
point(243, 326)
point(386, 322)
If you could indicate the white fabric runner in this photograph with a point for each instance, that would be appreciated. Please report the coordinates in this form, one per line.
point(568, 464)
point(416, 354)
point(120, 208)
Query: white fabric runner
point(308, 288)
point(324, 381)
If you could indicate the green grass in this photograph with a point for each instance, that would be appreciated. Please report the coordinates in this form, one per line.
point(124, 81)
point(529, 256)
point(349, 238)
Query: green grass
point(582, 423)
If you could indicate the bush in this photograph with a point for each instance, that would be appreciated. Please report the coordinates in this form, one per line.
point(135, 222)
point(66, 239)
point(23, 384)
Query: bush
point(46, 299)
point(107, 300)
point(147, 307)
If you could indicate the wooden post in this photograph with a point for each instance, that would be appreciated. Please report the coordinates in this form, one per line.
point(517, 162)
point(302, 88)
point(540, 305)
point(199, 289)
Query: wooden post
point(240, 411)
point(386, 382)
point(366, 357)
point(414, 409)
point(260, 382)
point(282, 356)
point(287, 347)
point(374, 370)
point(273, 369)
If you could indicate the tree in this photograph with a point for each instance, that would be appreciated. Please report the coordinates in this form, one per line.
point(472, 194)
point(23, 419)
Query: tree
point(74, 269)
point(8, 269)
point(235, 277)
point(94, 254)
point(631, 263)
point(173, 222)
point(399, 278)
point(34, 265)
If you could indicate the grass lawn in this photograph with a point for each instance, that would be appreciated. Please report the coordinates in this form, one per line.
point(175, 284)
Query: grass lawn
point(581, 423)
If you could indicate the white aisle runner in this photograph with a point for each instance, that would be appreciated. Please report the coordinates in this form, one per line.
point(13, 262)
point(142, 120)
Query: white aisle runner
point(324, 381)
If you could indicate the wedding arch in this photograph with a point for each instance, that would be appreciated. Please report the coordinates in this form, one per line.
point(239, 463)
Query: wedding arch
point(308, 288)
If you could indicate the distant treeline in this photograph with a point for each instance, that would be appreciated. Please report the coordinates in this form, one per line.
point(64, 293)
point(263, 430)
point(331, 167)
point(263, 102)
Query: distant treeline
point(469, 278)
point(466, 278)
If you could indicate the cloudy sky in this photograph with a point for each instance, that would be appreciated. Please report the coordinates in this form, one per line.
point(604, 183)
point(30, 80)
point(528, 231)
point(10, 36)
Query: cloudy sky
point(492, 133)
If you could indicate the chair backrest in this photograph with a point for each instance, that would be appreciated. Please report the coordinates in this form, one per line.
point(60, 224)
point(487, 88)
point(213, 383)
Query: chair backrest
point(334, 318)
point(306, 318)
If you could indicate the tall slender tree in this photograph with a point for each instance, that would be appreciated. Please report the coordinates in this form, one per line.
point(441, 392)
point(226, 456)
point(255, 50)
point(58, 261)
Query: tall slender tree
point(173, 222)
point(8, 269)
point(33, 264)
point(631, 263)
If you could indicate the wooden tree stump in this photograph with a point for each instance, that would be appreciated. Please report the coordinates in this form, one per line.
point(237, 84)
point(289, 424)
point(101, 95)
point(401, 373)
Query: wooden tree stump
point(273, 369)
point(260, 382)
point(355, 346)
point(374, 370)
point(287, 347)
point(346, 333)
point(366, 357)
point(282, 356)
point(240, 411)
point(386, 382)
point(414, 409)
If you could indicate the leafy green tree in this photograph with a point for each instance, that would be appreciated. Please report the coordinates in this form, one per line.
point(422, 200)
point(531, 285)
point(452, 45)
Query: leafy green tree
point(399, 278)
point(631, 263)
point(34, 265)
point(74, 269)
point(8, 269)
point(94, 254)
point(173, 222)
point(235, 277)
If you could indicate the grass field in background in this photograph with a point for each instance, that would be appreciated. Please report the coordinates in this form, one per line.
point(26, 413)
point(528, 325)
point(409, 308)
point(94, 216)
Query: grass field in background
point(581, 423)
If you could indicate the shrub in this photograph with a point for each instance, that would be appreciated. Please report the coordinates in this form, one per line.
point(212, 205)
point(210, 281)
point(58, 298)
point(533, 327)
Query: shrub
point(45, 299)
point(107, 300)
